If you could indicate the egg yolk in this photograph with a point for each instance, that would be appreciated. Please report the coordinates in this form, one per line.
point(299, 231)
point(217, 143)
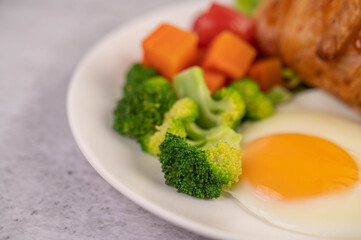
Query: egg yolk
point(291, 166)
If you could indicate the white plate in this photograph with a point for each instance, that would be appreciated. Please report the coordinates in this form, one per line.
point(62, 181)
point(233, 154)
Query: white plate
point(92, 96)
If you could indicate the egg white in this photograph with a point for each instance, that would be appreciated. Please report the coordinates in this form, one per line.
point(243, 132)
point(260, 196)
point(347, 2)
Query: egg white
point(335, 215)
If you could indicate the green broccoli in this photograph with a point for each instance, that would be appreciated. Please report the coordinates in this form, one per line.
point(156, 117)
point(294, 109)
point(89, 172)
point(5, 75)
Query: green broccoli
point(279, 94)
point(247, 7)
point(143, 108)
point(203, 167)
point(194, 160)
point(227, 107)
point(183, 111)
point(293, 82)
point(247, 87)
point(208, 137)
point(136, 75)
point(258, 106)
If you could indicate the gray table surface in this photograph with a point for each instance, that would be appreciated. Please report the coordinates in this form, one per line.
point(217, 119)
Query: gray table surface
point(48, 190)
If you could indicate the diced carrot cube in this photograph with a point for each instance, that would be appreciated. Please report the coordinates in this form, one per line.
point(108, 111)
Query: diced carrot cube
point(201, 53)
point(170, 49)
point(230, 54)
point(214, 80)
point(267, 72)
point(145, 62)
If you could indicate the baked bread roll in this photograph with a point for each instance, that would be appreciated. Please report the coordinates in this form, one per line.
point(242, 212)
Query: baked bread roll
point(320, 40)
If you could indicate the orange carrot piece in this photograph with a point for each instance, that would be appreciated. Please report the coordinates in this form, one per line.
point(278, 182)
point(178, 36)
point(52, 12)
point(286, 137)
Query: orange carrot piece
point(214, 80)
point(229, 54)
point(170, 50)
point(201, 53)
point(145, 62)
point(267, 72)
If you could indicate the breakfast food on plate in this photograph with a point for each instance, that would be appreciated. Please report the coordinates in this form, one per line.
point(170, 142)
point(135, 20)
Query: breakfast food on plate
point(320, 40)
point(206, 104)
point(195, 89)
point(301, 171)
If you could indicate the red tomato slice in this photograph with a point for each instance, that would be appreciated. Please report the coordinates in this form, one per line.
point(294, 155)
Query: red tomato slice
point(204, 26)
point(219, 18)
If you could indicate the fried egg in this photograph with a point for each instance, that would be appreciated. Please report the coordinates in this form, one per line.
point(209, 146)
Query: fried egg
point(301, 172)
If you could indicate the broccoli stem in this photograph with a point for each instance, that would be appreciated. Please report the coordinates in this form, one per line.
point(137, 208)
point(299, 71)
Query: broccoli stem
point(191, 84)
point(194, 131)
point(206, 138)
point(227, 108)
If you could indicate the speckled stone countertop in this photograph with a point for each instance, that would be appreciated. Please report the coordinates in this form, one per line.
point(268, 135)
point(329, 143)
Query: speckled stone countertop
point(47, 188)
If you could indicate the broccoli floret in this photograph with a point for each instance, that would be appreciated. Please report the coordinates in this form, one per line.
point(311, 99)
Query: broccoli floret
point(293, 82)
point(279, 94)
point(258, 106)
point(226, 162)
point(143, 108)
point(150, 142)
point(247, 87)
point(183, 111)
point(186, 168)
point(291, 78)
point(137, 75)
point(201, 168)
point(196, 161)
point(226, 108)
